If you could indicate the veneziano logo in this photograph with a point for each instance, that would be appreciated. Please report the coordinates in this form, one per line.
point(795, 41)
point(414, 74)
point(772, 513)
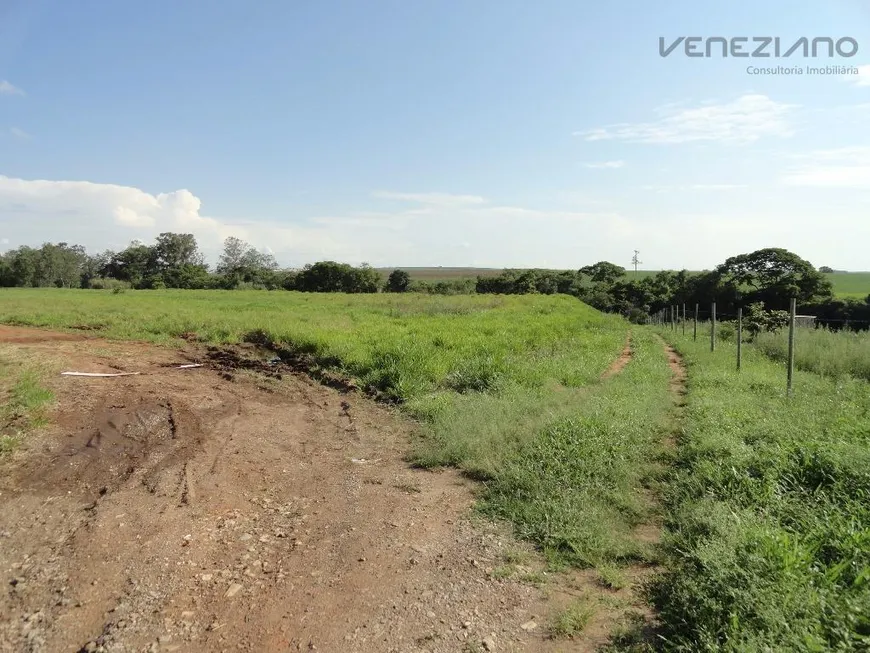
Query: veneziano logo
point(760, 46)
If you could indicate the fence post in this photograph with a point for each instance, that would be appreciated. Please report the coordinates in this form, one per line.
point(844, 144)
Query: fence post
point(673, 319)
point(739, 337)
point(792, 311)
point(713, 327)
point(684, 319)
point(695, 331)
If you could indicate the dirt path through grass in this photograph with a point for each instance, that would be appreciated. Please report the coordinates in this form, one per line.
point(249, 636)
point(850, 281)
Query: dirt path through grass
point(619, 364)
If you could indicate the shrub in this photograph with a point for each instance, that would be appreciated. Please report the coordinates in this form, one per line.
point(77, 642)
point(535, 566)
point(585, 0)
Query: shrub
point(757, 320)
point(399, 281)
point(107, 283)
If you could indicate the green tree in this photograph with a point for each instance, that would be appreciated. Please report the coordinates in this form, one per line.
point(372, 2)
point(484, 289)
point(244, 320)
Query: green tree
point(398, 281)
point(603, 272)
point(757, 319)
point(175, 250)
point(330, 276)
point(773, 276)
point(242, 263)
point(60, 265)
point(134, 264)
point(21, 266)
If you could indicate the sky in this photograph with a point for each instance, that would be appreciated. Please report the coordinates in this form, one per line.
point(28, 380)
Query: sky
point(487, 133)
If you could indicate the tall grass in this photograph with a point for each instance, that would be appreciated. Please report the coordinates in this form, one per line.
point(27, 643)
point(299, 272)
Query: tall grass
point(830, 353)
point(768, 543)
point(23, 398)
point(407, 346)
point(506, 388)
point(566, 465)
point(577, 487)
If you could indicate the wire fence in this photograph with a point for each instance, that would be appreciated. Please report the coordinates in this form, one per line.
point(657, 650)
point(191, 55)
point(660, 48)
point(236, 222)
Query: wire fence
point(679, 318)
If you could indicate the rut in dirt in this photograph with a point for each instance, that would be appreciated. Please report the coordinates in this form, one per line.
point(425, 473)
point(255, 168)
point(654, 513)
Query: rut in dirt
point(624, 359)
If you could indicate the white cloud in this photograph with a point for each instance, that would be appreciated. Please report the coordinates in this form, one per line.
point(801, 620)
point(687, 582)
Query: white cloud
point(862, 78)
point(102, 216)
point(7, 88)
point(434, 199)
point(19, 133)
point(606, 164)
point(746, 119)
point(845, 167)
point(438, 229)
point(702, 187)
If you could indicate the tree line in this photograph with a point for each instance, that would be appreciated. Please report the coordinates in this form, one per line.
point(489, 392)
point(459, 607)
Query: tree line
point(765, 279)
point(768, 277)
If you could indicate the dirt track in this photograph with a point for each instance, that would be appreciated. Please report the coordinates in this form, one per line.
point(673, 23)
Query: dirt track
point(179, 510)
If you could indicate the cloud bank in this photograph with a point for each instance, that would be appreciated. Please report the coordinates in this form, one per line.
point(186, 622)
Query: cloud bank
point(744, 120)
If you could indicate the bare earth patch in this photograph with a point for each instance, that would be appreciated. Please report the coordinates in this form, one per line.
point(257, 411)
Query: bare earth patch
point(177, 510)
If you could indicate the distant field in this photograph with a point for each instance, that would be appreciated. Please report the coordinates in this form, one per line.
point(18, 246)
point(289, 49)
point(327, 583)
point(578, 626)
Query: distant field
point(851, 284)
point(846, 284)
point(444, 274)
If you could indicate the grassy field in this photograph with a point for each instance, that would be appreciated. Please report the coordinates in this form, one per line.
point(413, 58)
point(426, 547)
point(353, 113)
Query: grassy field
point(769, 543)
point(444, 274)
point(506, 388)
point(851, 284)
point(766, 499)
point(410, 346)
point(830, 353)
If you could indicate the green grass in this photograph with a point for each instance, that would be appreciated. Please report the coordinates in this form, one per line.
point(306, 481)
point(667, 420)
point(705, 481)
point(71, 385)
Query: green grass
point(611, 577)
point(24, 399)
point(572, 479)
point(830, 353)
point(436, 274)
point(571, 621)
point(506, 388)
point(434, 351)
point(850, 284)
point(768, 531)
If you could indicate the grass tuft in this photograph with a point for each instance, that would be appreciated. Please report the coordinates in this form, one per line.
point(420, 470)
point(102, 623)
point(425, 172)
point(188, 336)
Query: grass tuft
point(571, 621)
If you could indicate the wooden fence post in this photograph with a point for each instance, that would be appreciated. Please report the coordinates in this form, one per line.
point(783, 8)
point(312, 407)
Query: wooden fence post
point(713, 327)
point(739, 337)
point(792, 311)
point(695, 331)
point(684, 319)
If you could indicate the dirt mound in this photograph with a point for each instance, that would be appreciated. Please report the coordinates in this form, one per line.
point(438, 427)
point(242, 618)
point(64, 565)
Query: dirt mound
point(274, 362)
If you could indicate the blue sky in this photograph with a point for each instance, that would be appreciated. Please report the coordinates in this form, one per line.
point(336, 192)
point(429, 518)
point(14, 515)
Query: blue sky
point(474, 132)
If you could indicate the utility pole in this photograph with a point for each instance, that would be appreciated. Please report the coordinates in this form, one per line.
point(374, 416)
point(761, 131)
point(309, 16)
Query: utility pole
point(635, 261)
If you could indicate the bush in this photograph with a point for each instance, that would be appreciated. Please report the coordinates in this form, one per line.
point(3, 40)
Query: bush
point(329, 276)
point(399, 281)
point(107, 283)
point(726, 332)
point(757, 320)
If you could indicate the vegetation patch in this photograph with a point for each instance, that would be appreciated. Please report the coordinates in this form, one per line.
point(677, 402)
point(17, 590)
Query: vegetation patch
point(25, 400)
point(572, 620)
point(768, 544)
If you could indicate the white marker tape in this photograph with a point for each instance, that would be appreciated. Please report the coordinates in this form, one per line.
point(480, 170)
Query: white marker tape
point(97, 374)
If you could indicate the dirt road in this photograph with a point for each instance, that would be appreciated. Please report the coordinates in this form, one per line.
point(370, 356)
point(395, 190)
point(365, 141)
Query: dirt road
point(205, 510)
